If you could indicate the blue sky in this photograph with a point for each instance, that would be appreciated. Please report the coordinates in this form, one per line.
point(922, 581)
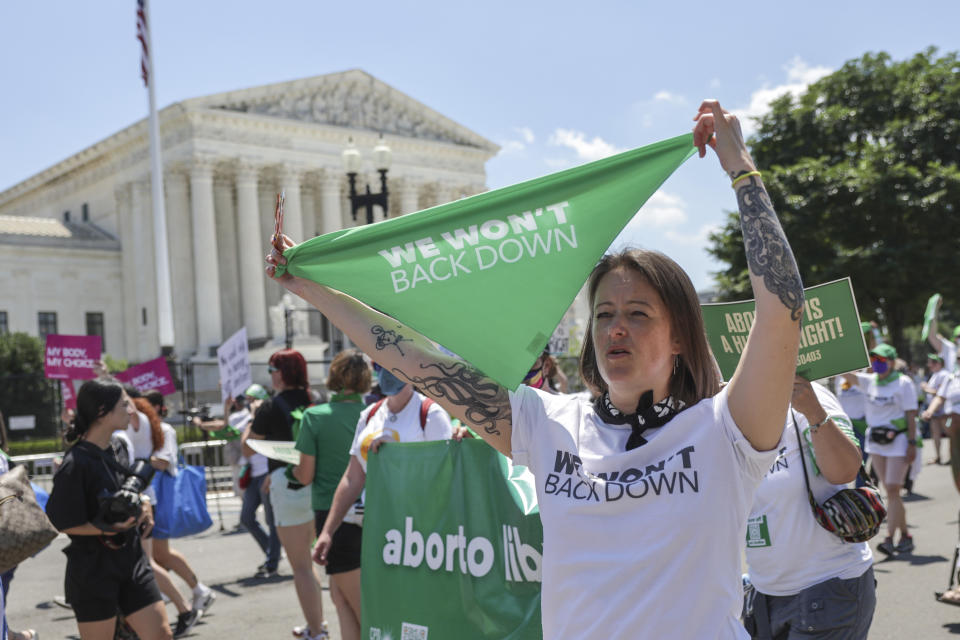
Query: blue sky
point(554, 83)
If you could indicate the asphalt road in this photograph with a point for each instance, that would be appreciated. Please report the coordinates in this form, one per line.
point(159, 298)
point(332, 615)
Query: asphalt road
point(261, 609)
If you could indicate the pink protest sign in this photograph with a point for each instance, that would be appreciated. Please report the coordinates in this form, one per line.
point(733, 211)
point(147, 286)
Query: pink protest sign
point(72, 357)
point(152, 374)
point(69, 397)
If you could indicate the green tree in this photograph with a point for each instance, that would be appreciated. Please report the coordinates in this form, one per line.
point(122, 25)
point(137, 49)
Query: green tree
point(863, 172)
point(23, 388)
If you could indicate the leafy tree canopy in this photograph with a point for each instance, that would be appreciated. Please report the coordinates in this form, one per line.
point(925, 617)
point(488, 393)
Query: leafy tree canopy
point(23, 388)
point(20, 353)
point(863, 172)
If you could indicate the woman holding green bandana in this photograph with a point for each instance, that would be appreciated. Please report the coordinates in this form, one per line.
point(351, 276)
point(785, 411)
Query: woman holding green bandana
point(891, 414)
point(662, 456)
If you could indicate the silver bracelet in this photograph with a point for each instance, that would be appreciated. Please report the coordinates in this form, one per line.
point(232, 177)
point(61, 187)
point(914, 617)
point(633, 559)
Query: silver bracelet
point(814, 427)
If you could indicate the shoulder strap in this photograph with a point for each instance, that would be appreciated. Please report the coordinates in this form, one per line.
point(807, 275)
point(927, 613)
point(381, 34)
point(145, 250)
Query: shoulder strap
point(424, 408)
point(374, 409)
point(803, 456)
point(861, 473)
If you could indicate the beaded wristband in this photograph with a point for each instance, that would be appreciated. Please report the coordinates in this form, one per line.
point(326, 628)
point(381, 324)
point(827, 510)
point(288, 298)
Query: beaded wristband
point(744, 176)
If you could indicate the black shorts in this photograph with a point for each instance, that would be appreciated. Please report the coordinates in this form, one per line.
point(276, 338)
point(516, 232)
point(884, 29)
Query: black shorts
point(101, 581)
point(344, 553)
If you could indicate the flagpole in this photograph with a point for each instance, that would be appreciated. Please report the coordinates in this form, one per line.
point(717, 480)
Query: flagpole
point(164, 295)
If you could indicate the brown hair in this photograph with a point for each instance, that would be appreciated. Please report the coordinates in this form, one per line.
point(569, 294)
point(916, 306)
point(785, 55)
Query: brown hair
point(349, 370)
point(696, 376)
point(156, 431)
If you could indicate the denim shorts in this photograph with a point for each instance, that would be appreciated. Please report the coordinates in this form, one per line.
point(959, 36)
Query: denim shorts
point(835, 609)
point(290, 506)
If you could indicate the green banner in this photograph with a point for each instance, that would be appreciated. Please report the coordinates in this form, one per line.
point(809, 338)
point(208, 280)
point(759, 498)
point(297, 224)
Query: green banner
point(452, 544)
point(489, 277)
point(831, 341)
point(928, 315)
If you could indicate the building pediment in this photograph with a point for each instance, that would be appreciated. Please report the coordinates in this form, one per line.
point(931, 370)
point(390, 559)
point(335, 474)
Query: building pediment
point(352, 99)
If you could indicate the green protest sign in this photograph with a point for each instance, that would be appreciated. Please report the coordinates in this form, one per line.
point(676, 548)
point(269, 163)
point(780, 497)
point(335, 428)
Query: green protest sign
point(452, 544)
point(489, 277)
point(281, 450)
point(928, 315)
point(831, 341)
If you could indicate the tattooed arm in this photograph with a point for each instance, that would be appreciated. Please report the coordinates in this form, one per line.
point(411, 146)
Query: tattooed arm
point(460, 388)
point(759, 391)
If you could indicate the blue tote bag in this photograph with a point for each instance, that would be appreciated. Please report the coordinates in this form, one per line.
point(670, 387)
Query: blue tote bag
point(181, 503)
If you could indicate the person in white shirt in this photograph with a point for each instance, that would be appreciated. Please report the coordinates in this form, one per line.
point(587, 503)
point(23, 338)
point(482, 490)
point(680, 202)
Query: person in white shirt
point(943, 346)
point(891, 414)
point(791, 559)
point(628, 485)
point(404, 415)
point(937, 419)
point(164, 459)
point(254, 495)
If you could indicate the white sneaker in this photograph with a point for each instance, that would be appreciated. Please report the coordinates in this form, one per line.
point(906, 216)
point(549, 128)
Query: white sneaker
point(304, 632)
point(203, 599)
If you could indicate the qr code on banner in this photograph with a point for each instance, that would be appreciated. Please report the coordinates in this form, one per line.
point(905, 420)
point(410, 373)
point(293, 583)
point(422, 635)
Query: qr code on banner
point(413, 632)
point(374, 633)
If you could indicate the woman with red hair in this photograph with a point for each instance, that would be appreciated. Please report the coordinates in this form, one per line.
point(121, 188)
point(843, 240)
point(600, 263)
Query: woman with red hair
point(290, 500)
point(164, 559)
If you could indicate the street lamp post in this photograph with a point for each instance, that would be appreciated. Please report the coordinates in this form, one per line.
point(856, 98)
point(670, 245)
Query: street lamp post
point(351, 164)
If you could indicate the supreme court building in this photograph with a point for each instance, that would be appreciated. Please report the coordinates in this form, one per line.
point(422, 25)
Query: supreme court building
point(78, 252)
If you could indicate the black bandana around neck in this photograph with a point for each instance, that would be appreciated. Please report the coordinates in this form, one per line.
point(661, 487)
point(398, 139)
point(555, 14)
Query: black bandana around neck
point(647, 416)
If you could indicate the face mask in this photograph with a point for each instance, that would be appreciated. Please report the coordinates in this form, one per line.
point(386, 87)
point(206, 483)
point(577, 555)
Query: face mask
point(390, 385)
point(879, 366)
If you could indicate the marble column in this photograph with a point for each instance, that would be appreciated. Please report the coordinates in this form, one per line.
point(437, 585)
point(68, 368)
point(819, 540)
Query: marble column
point(227, 255)
point(331, 216)
point(181, 261)
point(206, 268)
point(442, 193)
point(250, 247)
point(409, 198)
point(308, 209)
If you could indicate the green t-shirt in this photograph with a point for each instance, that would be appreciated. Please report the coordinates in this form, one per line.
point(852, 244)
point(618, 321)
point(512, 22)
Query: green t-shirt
point(326, 432)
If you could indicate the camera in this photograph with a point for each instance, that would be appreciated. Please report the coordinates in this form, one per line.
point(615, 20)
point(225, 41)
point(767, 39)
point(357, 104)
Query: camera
point(202, 412)
point(124, 503)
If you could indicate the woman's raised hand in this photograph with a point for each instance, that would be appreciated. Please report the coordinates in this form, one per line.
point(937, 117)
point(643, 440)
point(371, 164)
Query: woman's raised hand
point(275, 258)
point(720, 130)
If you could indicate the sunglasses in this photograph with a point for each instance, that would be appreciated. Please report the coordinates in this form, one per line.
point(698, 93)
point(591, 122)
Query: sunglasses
point(271, 368)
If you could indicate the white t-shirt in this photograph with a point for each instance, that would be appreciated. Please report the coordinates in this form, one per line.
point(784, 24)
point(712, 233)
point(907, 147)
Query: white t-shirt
point(887, 400)
point(401, 427)
point(935, 381)
point(122, 435)
point(948, 351)
point(169, 449)
point(239, 419)
point(787, 551)
point(851, 399)
point(258, 465)
point(950, 391)
point(642, 543)
point(140, 438)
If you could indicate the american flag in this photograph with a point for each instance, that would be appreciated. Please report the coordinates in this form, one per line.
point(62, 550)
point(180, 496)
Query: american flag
point(142, 32)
